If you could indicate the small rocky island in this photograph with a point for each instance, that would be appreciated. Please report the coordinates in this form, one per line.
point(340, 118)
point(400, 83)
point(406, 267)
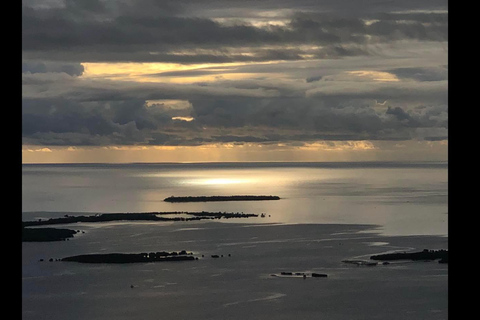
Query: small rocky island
point(425, 255)
point(131, 257)
point(220, 198)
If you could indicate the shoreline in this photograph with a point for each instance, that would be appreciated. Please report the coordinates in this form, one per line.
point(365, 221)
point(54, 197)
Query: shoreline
point(141, 216)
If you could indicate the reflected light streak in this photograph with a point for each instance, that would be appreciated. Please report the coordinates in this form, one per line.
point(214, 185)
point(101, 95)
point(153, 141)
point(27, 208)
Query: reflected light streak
point(217, 181)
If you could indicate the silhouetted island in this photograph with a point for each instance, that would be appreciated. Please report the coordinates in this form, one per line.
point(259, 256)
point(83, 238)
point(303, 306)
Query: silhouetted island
point(441, 255)
point(219, 198)
point(149, 216)
point(299, 274)
point(46, 234)
point(131, 257)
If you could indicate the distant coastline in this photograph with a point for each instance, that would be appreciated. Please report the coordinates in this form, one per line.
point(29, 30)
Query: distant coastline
point(53, 234)
point(220, 198)
point(142, 216)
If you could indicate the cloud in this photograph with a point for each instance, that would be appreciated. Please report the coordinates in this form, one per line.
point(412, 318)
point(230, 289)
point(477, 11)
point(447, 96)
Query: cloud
point(422, 74)
point(72, 69)
point(399, 113)
point(158, 30)
point(314, 78)
point(298, 72)
point(400, 92)
point(215, 120)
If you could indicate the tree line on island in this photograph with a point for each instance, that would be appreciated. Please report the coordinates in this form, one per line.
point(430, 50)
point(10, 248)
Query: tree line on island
point(220, 198)
point(131, 257)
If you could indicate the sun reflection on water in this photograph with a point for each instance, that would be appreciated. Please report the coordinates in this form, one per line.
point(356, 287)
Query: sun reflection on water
point(217, 181)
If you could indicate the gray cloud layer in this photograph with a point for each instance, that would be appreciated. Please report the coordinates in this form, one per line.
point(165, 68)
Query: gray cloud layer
point(155, 30)
point(307, 95)
point(221, 114)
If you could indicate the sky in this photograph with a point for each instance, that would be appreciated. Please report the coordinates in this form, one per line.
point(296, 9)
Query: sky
point(234, 80)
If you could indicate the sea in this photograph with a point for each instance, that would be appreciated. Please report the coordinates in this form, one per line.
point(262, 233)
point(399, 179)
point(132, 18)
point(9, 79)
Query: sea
point(327, 213)
point(398, 197)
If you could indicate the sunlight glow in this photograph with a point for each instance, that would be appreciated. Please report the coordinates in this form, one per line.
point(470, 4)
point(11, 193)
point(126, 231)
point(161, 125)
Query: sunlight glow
point(374, 75)
point(152, 72)
point(188, 119)
point(217, 181)
point(339, 146)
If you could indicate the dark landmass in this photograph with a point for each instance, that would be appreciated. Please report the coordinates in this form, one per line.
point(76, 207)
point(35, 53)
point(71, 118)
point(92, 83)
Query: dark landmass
point(319, 275)
point(299, 274)
point(46, 234)
point(361, 262)
point(145, 216)
point(220, 198)
point(131, 257)
point(426, 254)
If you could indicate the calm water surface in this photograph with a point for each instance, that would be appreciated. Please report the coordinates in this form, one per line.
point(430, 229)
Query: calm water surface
point(325, 216)
point(402, 198)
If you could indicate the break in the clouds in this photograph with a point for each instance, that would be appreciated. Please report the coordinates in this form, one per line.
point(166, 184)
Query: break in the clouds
point(188, 73)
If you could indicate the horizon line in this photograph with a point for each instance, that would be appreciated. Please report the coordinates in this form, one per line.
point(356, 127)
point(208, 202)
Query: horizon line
point(233, 162)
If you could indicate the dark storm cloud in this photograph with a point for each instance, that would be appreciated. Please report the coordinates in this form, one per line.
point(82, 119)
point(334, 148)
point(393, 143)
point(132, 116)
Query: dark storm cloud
point(63, 121)
point(152, 30)
point(192, 55)
point(245, 120)
point(73, 69)
point(134, 28)
point(356, 122)
point(403, 92)
point(346, 8)
point(421, 74)
point(314, 78)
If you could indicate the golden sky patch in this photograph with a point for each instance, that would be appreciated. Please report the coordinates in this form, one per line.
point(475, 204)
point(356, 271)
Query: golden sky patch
point(374, 75)
point(170, 103)
point(188, 119)
point(152, 72)
point(37, 150)
point(339, 146)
